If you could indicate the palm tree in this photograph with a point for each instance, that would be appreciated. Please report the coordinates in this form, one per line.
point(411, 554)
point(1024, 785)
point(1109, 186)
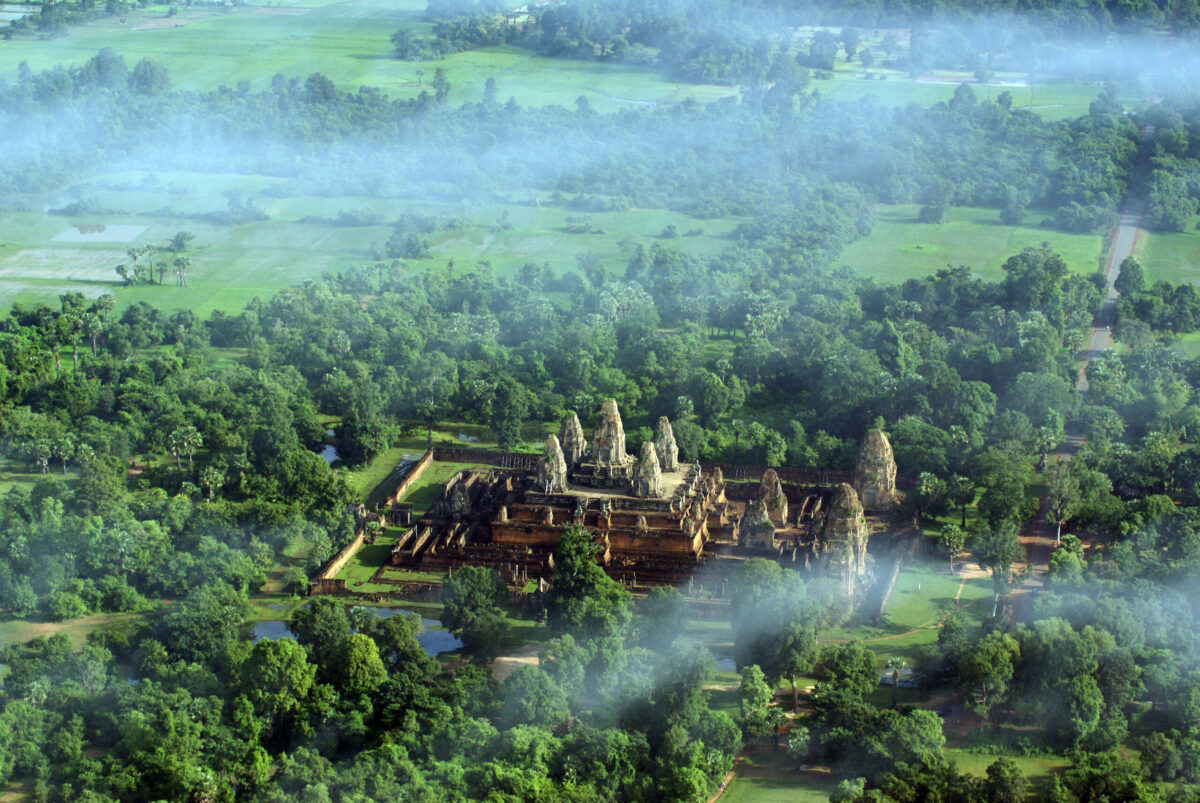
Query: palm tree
point(192, 441)
point(211, 478)
point(93, 325)
point(182, 263)
point(64, 449)
point(897, 665)
point(42, 453)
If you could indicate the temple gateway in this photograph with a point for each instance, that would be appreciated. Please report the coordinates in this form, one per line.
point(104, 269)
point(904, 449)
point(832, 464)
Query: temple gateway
point(654, 518)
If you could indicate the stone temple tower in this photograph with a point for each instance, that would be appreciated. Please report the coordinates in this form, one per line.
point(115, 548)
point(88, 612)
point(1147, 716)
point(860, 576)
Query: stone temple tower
point(664, 444)
point(552, 468)
point(875, 472)
point(571, 439)
point(608, 440)
point(608, 465)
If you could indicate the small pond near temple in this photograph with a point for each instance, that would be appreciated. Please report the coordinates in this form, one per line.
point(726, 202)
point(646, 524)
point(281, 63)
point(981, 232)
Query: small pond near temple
point(329, 453)
point(433, 641)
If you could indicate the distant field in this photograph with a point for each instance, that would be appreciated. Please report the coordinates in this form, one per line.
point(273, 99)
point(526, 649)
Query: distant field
point(900, 248)
point(43, 255)
point(1053, 101)
point(346, 40)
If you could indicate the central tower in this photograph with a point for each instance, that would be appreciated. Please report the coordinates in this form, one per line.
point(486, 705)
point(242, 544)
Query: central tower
point(608, 465)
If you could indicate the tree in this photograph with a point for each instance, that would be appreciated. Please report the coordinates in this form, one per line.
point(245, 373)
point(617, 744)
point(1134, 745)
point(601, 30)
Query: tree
point(1005, 783)
point(441, 85)
point(995, 548)
point(663, 619)
point(951, 540)
point(930, 493)
point(1033, 277)
point(182, 264)
point(64, 449)
point(962, 493)
point(529, 697)
point(43, 450)
point(1131, 278)
point(897, 666)
point(150, 77)
point(1062, 497)
point(850, 666)
point(277, 677)
point(1012, 214)
point(359, 667)
point(754, 709)
point(211, 479)
point(986, 671)
point(471, 601)
point(849, 38)
point(185, 441)
point(180, 241)
point(582, 599)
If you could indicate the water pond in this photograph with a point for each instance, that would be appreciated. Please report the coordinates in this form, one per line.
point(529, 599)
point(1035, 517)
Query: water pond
point(434, 642)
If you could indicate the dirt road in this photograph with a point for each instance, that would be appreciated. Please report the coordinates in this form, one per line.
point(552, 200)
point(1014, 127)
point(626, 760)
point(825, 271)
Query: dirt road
point(1038, 535)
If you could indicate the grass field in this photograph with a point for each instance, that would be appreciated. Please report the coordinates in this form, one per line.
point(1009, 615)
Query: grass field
point(900, 248)
point(1171, 256)
point(19, 631)
point(346, 40)
point(233, 264)
point(769, 777)
point(925, 593)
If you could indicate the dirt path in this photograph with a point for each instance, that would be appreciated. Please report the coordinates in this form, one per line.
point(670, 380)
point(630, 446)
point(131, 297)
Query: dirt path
point(1039, 536)
point(505, 665)
point(727, 779)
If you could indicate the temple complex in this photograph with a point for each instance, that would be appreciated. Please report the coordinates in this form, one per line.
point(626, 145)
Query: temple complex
point(655, 519)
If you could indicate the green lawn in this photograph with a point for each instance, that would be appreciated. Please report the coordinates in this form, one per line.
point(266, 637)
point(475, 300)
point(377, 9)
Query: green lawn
point(900, 248)
point(1034, 768)
point(769, 777)
point(19, 632)
point(376, 480)
point(924, 594)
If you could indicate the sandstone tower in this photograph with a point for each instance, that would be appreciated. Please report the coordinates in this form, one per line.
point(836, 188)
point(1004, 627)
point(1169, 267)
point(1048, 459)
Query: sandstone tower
point(843, 550)
point(664, 444)
point(875, 472)
point(552, 468)
point(571, 439)
point(772, 495)
point(647, 476)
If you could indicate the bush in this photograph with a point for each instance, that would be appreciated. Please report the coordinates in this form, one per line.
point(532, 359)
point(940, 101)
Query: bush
point(66, 605)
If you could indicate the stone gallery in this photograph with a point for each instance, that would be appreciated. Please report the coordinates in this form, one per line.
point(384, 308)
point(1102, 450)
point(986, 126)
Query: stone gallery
point(655, 519)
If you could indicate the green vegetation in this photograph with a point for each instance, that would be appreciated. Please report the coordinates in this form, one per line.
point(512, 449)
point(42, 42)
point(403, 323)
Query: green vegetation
point(900, 248)
point(1171, 257)
point(347, 40)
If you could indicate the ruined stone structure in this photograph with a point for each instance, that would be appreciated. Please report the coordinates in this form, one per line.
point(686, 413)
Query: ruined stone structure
point(552, 468)
point(773, 497)
point(647, 476)
point(665, 446)
point(572, 440)
point(756, 530)
point(653, 524)
point(843, 552)
point(875, 472)
point(608, 465)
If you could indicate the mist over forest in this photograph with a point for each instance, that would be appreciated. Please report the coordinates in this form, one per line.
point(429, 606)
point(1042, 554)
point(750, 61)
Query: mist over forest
point(302, 302)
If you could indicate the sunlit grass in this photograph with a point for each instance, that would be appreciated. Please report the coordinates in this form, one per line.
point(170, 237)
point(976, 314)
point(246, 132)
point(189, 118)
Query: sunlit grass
point(900, 248)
